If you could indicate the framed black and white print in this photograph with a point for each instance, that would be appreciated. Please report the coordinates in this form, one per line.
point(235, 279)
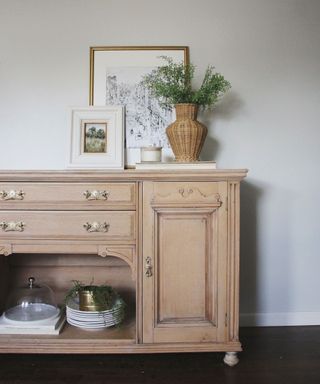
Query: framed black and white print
point(115, 79)
point(97, 137)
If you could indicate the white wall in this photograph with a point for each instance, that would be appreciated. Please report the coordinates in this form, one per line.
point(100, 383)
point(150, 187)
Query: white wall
point(269, 122)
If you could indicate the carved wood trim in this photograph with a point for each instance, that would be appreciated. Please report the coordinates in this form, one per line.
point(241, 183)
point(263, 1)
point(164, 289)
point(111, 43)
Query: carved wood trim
point(126, 254)
point(184, 193)
point(233, 260)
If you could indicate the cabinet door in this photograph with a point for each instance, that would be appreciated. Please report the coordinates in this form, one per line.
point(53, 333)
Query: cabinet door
point(184, 250)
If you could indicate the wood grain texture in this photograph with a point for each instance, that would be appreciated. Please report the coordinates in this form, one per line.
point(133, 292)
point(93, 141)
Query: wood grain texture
point(171, 249)
point(233, 260)
point(70, 225)
point(185, 297)
point(68, 196)
point(125, 176)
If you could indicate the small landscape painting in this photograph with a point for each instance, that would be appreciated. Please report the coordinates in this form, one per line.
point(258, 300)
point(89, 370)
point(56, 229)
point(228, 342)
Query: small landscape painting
point(95, 137)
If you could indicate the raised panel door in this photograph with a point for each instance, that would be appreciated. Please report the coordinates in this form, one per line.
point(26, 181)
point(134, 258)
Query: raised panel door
point(184, 284)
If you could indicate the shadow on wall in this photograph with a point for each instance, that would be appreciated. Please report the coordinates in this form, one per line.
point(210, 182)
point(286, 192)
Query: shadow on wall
point(226, 109)
point(210, 149)
point(250, 195)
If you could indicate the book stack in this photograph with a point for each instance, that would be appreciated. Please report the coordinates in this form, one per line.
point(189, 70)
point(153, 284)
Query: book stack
point(175, 166)
point(50, 326)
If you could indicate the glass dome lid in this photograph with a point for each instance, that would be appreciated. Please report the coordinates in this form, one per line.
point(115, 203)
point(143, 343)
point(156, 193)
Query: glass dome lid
point(30, 303)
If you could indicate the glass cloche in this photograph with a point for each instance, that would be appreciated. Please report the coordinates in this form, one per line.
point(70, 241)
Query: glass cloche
point(30, 303)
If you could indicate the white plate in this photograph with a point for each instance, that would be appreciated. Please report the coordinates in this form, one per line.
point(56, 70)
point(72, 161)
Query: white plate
point(100, 319)
point(95, 320)
point(73, 305)
point(92, 319)
point(89, 325)
point(93, 316)
point(111, 321)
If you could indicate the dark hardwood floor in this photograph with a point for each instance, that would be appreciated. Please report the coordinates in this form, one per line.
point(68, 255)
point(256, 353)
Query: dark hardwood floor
point(279, 355)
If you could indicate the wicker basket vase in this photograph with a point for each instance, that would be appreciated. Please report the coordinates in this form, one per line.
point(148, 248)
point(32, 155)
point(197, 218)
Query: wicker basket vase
point(186, 135)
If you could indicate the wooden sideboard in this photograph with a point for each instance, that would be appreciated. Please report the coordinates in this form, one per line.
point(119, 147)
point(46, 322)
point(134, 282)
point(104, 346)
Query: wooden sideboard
point(167, 241)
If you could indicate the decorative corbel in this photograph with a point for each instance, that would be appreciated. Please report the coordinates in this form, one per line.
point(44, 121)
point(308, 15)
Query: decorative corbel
point(126, 253)
point(5, 249)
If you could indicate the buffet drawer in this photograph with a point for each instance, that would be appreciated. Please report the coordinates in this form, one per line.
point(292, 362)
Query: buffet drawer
point(77, 196)
point(79, 225)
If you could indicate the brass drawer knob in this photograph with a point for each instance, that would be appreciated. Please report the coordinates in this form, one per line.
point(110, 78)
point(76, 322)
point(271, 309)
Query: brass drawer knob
point(96, 195)
point(12, 195)
point(148, 267)
point(12, 226)
point(95, 226)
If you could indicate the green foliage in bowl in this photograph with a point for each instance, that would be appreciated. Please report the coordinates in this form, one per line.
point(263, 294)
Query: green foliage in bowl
point(172, 84)
point(104, 297)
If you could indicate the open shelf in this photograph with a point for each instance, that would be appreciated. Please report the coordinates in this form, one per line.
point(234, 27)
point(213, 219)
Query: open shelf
point(72, 339)
point(58, 271)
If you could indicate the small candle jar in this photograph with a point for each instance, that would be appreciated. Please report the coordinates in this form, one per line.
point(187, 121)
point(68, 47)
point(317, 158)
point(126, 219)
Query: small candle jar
point(150, 154)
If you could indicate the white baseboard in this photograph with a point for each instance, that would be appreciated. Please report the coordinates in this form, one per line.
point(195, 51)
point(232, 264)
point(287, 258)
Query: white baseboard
point(279, 319)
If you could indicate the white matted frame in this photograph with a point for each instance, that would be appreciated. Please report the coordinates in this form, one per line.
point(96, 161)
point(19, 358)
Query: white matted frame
point(106, 127)
point(115, 78)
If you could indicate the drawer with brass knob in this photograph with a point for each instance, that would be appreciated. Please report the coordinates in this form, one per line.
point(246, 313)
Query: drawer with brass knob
point(70, 196)
point(61, 225)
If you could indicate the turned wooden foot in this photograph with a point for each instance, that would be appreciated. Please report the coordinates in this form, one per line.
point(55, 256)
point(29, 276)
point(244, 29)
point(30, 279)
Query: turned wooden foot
point(231, 359)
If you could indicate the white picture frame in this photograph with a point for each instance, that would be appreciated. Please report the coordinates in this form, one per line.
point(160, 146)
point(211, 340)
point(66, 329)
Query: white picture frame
point(97, 138)
point(115, 78)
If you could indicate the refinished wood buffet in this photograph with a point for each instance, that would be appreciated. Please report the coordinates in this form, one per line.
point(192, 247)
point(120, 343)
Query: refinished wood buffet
point(167, 241)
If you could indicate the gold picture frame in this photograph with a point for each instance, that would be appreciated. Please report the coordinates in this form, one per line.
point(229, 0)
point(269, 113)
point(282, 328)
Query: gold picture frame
point(93, 50)
point(115, 79)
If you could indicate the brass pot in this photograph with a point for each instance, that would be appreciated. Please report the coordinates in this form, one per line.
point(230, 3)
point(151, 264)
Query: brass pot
point(87, 302)
point(186, 135)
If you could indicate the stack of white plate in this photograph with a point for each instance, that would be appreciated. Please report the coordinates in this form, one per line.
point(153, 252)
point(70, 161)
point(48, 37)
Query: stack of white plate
point(94, 319)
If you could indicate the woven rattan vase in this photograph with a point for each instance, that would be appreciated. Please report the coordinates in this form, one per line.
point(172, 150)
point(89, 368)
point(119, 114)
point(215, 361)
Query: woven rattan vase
point(186, 135)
